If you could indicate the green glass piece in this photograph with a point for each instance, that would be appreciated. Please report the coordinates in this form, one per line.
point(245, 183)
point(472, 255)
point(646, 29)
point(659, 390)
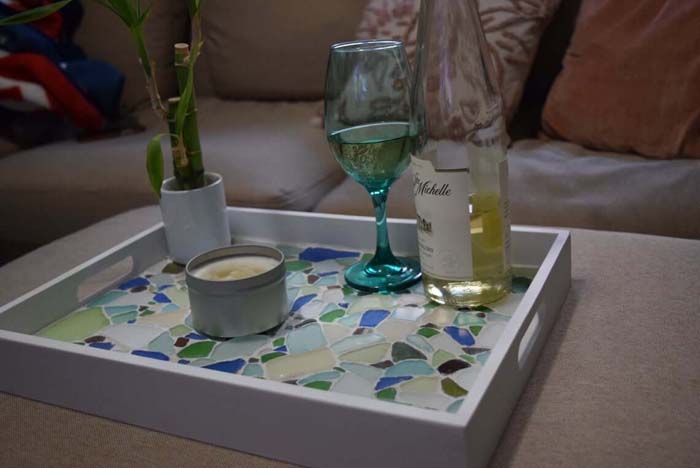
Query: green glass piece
point(428, 332)
point(401, 351)
point(386, 394)
point(451, 388)
point(197, 350)
point(475, 329)
point(296, 265)
point(173, 269)
point(147, 312)
point(348, 291)
point(125, 317)
point(468, 358)
point(278, 342)
point(270, 356)
point(254, 370)
point(465, 319)
point(319, 385)
point(76, 326)
point(180, 330)
point(332, 315)
point(440, 357)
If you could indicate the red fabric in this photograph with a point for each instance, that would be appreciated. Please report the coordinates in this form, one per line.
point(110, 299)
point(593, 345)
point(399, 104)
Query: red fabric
point(63, 96)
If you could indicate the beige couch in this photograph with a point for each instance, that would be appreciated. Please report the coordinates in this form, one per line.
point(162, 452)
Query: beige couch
point(259, 82)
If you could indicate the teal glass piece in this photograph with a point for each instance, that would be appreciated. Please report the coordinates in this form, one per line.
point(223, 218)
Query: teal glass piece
point(411, 367)
point(254, 370)
point(164, 343)
point(239, 347)
point(108, 298)
point(420, 342)
point(455, 406)
point(328, 375)
point(306, 338)
point(372, 143)
point(369, 373)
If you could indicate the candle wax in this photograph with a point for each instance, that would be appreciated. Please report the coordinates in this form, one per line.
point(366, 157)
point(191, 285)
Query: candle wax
point(235, 268)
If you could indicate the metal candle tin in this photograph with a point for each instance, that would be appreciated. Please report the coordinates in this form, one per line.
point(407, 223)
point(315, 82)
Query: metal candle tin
point(238, 307)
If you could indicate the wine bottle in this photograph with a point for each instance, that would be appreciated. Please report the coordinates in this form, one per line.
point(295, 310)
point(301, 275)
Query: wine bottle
point(459, 164)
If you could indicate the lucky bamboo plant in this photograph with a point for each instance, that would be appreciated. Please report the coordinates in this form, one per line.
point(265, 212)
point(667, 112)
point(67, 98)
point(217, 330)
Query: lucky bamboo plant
point(179, 113)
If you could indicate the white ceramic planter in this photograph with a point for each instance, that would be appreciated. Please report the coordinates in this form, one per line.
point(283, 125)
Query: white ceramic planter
point(195, 220)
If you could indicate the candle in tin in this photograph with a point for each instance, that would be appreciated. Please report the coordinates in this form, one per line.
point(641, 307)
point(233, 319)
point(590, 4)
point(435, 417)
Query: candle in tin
point(238, 290)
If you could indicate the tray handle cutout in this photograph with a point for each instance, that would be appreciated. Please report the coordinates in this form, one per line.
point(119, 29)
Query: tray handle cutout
point(529, 337)
point(105, 278)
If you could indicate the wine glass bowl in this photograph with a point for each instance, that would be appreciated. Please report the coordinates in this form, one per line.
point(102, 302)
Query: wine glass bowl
point(370, 131)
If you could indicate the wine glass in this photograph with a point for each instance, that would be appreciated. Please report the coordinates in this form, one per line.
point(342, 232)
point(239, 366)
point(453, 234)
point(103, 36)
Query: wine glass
point(368, 122)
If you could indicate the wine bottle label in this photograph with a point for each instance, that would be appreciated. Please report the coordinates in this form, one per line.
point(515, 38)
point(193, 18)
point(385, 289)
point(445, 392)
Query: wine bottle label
point(505, 209)
point(442, 208)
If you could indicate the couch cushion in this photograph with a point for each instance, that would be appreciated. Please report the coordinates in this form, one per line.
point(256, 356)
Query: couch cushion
point(562, 184)
point(272, 49)
point(631, 65)
point(103, 36)
point(269, 156)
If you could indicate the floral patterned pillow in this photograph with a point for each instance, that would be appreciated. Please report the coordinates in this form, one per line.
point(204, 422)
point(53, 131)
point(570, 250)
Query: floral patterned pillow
point(512, 27)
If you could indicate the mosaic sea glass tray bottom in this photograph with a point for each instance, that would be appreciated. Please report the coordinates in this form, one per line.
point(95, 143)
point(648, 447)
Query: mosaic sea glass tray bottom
point(348, 379)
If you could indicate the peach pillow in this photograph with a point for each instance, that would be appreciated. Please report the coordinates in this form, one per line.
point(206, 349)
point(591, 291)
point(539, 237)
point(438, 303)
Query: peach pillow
point(631, 79)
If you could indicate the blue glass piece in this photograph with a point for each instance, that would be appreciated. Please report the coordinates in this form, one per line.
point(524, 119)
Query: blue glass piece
point(183, 361)
point(344, 305)
point(227, 366)
point(301, 301)
point(161, 298)
point(151, 354)
point(327, 273)
point(165, 286)
point(195, 336)
point(282, 349)
point(131, 321)
point(319, 254)
point(373, 317)
point(134, 283)
point(385, 382)
point(103, 345)
point(460, 335)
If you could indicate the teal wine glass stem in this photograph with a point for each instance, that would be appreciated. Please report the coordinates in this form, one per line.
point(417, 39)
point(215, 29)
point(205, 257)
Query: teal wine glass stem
point(383, 254)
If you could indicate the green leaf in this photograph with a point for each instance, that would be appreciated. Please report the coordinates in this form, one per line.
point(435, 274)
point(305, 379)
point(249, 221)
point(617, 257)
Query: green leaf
point(34, 14)
point(154, 163)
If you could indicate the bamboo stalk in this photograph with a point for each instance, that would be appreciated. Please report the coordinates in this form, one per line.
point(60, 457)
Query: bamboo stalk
point(181, 166)
point(190, 130)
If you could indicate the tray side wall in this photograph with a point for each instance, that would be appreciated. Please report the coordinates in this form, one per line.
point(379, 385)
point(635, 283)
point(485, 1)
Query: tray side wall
point(142, 395)
point(493, 411)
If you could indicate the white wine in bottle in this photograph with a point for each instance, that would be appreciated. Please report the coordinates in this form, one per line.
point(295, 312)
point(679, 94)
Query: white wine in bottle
point(459, 165)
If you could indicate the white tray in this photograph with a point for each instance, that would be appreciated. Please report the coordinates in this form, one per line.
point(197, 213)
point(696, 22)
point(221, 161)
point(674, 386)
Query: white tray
point(276, 419)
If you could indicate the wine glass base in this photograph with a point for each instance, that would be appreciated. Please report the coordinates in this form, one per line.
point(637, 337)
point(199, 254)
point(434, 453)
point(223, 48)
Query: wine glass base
point(385, 278)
